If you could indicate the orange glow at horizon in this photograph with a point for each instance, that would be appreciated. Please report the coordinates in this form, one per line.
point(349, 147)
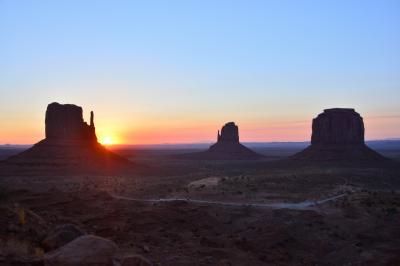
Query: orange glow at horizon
point(209, 134)
point(174, 132)
point(249, 131)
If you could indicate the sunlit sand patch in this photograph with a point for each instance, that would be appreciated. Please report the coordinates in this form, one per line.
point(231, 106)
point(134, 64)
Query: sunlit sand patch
point(205, 182)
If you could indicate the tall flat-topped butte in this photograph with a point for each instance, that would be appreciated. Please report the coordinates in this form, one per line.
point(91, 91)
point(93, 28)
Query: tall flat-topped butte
point(65, 122)
point(69, 143)
point(338, 135)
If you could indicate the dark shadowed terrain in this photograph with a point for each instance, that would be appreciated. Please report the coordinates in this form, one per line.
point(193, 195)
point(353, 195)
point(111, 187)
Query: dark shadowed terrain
point(261, 212)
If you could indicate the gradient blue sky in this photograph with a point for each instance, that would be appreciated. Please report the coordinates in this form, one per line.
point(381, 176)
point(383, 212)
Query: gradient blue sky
point(175, 71)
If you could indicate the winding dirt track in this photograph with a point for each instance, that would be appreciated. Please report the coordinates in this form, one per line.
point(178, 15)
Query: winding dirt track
point(304, 205)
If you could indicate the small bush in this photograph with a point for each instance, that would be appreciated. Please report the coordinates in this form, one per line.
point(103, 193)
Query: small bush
point(391, 211)
point(3, 194)
point(21, 216)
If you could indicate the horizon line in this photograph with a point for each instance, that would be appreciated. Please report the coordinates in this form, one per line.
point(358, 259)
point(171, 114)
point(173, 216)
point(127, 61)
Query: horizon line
point(199, 143)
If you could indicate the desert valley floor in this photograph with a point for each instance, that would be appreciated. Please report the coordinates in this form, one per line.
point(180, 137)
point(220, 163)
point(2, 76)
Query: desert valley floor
point(190, 212)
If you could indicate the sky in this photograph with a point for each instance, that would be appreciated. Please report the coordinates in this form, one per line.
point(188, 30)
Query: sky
point(176, 71)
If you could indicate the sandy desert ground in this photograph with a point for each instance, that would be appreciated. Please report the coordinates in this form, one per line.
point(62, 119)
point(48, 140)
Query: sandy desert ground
point(186, 212)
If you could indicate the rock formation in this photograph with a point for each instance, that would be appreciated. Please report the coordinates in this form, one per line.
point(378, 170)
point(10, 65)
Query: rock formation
point(92, 250)
point(338, 126)
point(60, 236)
point(227, 147)
point(84, 250)
point(229, 133)
point(338, 134)
point(70, 144)
point(65, 122)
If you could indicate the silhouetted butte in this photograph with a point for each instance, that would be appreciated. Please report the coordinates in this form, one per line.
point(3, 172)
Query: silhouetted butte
point(227, 147)
point(338, 135)
point(70, 144)
point(65, 122)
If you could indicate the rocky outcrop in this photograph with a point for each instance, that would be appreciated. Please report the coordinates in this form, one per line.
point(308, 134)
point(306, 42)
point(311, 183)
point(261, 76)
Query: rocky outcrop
point(84, 250)
point(65, 122)
point(227, 147)
point(92, 250)
point(70, 145)
point(338, 135)
point(61, 235)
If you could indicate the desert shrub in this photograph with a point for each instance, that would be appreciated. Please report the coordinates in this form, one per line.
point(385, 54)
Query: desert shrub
point(39, 252)
point(3, 194)
point(21, 216)
point(391, 211)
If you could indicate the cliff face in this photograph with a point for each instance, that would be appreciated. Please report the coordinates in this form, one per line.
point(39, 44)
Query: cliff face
point(338, 126)
point(338, 135)
point(65, 122)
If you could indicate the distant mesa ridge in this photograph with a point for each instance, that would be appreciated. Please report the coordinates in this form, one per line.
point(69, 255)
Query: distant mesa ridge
point(337, 135)
point(70, 144)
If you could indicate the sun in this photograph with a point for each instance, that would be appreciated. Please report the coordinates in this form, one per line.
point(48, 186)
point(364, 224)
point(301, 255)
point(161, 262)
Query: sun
point(107, 140)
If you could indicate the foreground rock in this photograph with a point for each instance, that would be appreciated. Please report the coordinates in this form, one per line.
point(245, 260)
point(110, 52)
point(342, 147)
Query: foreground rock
point(338, 135)
point(61, 235)
point(227, 147)
point(70, 145)
point(84, 251)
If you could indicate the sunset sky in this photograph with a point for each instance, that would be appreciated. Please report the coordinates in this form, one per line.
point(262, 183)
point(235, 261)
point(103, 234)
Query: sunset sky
point(176, 71)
